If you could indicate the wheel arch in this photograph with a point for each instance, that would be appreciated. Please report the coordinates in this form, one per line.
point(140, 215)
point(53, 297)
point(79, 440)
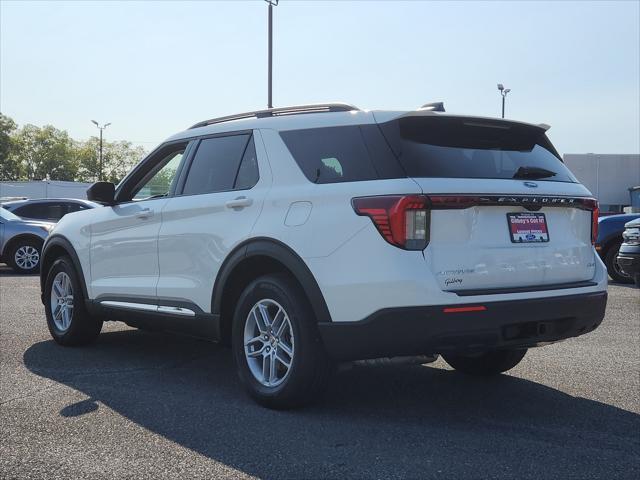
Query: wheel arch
point(17, 238)
point(55, 247)
point(252, 259)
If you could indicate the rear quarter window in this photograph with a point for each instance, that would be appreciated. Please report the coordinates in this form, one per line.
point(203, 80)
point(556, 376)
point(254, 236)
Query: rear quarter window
point(342, 154)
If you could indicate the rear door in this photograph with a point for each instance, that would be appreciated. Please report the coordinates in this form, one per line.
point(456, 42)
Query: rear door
point(215, 209)
point(506, 212)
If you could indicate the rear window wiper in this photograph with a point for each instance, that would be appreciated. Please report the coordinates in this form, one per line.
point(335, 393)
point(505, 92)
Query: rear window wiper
point(533, 173)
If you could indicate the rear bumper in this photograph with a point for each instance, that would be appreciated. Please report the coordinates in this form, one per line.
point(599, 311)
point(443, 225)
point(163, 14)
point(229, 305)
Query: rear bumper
point(629, 259)
point(508, 324)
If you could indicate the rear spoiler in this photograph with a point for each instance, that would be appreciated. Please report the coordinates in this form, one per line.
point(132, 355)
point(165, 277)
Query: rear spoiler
point(437, 110)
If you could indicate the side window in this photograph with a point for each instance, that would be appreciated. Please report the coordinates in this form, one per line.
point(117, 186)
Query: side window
point(54, 211)
point(158, 182)
point(22, 211)
point(342, 154)
point(248, 174)
point(31, 211)
point(216, 164)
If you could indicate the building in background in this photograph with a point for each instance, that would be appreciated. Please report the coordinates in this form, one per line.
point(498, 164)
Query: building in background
point(43, 189)
point(635, 199)
point(608, 176)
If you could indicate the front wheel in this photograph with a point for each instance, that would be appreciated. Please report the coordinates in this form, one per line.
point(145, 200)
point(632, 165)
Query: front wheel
point(277, 350)
point(68, 320)
point(486, 363)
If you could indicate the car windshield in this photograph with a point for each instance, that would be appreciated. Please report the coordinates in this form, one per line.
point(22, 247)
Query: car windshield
point(7, 215)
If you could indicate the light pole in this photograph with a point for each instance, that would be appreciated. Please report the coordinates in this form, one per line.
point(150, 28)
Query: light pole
point(101, 128)
point(503, 92)
point(272, 3)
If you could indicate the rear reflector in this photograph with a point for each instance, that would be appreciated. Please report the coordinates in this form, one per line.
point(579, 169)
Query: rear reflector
point(474, 308)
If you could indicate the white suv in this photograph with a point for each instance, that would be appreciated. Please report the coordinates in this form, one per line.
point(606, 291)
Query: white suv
point(308, 235)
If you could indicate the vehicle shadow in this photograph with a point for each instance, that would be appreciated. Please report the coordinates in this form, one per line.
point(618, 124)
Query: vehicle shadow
point(391, 422)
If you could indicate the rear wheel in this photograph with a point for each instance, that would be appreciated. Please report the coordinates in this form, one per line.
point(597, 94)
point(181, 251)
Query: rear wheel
point(486, 363)
point(278, 353)
point(610, 260)
point(24, 255)
point(68, 320)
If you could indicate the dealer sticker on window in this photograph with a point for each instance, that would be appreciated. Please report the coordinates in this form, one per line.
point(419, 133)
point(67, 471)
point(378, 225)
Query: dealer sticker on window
point(528, 227)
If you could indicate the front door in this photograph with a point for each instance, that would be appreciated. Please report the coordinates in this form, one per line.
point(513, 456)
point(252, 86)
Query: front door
point(124, 237)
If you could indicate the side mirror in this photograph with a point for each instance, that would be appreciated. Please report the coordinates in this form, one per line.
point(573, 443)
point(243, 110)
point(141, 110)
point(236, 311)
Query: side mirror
point(102, 192)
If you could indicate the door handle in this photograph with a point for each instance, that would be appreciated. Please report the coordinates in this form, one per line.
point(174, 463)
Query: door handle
point(144, 213)
point(239, 203)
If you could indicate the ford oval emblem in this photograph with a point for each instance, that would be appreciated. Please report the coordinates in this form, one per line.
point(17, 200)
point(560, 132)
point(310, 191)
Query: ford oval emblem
point(531, 184)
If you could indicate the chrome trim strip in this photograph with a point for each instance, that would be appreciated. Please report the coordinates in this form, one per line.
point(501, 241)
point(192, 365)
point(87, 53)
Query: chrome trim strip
point(130, 305)
point(176, 311)
point(149, 308)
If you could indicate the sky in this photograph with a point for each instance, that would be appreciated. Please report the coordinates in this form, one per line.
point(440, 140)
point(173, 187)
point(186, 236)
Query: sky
point(155, 68)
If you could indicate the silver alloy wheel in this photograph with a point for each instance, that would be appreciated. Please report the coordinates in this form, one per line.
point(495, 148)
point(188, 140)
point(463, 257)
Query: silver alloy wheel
point(62, 301)
point(269, 344)
point(27, 257)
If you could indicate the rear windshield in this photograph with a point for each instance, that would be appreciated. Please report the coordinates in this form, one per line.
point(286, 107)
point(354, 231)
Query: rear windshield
point(463, 147)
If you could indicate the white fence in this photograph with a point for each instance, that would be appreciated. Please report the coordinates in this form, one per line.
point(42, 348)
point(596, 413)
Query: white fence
point(44, 189)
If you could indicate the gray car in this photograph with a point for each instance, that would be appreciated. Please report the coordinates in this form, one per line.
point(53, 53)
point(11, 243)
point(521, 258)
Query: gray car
point(21, 241)
point(47, 209)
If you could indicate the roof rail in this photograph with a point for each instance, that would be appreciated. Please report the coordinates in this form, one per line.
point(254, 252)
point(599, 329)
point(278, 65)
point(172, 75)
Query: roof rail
point(273, 112)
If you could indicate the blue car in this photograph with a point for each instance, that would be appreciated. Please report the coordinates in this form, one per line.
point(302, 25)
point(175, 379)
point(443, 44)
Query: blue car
point(608, 243)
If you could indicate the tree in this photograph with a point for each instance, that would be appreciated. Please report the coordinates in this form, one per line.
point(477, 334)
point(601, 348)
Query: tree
point(10, 168)
point(34, 153)
point(87, 157)
point(117, 159)
point(46, 153)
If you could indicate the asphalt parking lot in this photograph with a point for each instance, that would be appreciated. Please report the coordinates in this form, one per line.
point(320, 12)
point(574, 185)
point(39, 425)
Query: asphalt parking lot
point(150, 405)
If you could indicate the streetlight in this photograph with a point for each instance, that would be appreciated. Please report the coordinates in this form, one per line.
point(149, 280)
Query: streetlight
point(272, 3)
point(503, 92)
point(101, 128)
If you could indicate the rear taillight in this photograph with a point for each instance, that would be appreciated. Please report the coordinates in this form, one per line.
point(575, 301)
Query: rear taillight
point(402, 220)
point(595, 213)
point(592, 204)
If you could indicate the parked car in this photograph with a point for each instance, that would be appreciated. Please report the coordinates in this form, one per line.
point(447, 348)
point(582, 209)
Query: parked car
point(303, 236)
point(629, 253)
point(21, 241)
point(47, 209)
point(608, 243)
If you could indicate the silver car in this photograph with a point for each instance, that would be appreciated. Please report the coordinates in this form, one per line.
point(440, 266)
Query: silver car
point(21, 241)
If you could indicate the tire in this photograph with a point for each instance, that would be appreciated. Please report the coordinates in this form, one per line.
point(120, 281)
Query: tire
point(612, 265)
point(308, 373)
point(487, 363)
point(24, 256)
point(70, 326)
